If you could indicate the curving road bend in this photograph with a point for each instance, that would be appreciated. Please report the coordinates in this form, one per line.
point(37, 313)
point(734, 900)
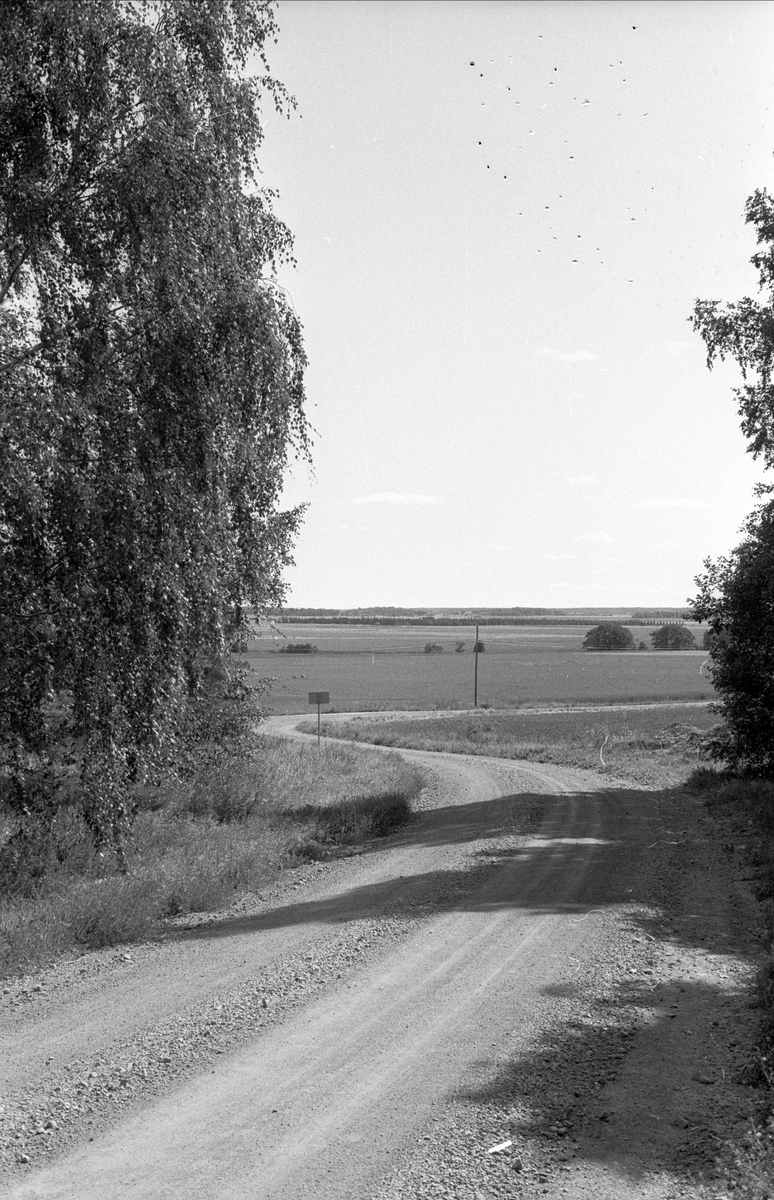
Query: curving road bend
point(509, 886)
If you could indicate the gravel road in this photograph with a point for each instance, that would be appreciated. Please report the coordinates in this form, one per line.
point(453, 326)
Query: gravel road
point(536, 988)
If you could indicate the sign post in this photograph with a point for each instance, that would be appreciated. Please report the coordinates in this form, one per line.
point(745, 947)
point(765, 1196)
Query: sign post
point(319, 698)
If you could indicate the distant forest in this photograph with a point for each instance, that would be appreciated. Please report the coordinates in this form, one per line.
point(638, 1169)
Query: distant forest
point(481, 616)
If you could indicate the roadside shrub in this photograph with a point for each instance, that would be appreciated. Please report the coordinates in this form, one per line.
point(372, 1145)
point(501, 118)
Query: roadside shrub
point(351, 821)
point(705, 779)
point(433, 648)
point(478, 647)
point(298, 648)
point(736, 597)
point(228, 827)
point(673, 637)
point(609, 636)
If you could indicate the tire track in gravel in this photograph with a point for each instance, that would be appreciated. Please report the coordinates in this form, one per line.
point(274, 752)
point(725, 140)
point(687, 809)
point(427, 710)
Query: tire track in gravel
point(85, 1043)
point(363, 1003)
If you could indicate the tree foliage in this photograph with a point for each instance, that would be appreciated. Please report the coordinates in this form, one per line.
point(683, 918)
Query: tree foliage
point(609, 636)
point(736, 593)
point(673, 637)
point(744, 331)
point(151, 376)
point(736, 596)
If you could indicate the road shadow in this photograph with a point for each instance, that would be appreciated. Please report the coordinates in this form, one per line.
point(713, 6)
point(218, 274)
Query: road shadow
point(644, 1084)
point(541, 854)
point(638, 1079)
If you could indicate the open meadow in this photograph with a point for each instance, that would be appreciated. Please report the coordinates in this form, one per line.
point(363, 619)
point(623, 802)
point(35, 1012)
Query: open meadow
point(654, 745)
point(383, 667)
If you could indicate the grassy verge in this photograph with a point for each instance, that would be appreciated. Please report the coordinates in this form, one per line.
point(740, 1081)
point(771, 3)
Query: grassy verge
point(656, 747)
point(230, 827)
point(744, 809)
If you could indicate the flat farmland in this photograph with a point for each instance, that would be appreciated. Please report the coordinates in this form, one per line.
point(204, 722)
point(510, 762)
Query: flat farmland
point(385, 667)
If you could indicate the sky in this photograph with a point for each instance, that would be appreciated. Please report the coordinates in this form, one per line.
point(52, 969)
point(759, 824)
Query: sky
point(503, 215)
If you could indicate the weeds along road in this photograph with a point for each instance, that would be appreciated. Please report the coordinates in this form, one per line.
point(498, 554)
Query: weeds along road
point(536, 963)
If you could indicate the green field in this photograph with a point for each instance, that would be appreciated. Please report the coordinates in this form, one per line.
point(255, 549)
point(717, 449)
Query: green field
point(382, 667)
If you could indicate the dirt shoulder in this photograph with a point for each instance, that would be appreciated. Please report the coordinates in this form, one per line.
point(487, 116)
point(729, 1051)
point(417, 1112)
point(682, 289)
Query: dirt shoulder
point(539, 958)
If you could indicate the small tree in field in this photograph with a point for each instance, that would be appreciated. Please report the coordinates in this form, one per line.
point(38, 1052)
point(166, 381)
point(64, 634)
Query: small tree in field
point(609, 636)
point(709, 639)
point(673, 637)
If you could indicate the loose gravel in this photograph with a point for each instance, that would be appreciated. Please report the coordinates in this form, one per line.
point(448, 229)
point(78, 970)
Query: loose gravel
point(639, 1053)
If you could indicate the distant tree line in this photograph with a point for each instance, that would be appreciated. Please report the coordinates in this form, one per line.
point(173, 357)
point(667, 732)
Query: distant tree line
point(455, 622)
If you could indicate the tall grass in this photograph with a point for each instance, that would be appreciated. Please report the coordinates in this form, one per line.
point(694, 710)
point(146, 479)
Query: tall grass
point(746, 807)
point(228, 828)
point(644, 746)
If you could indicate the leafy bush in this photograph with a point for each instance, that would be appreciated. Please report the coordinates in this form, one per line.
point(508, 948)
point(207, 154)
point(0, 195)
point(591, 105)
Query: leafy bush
point(433, 648)
point(673, 637)
point(609, 636)
point(737, 598)
point(229, 827)
point(478, 647)
point(298, 648)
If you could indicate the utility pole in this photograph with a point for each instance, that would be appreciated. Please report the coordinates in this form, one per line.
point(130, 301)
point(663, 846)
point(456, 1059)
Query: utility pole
point(475, 671)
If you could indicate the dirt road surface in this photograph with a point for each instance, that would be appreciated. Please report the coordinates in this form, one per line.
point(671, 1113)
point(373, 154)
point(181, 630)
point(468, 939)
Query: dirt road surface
point(536, 988)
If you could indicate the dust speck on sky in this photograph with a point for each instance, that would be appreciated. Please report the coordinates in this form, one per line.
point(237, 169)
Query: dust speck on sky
point(503, 214)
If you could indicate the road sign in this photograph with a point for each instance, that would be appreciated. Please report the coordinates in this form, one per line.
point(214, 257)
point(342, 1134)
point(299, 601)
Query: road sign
point(319, 698)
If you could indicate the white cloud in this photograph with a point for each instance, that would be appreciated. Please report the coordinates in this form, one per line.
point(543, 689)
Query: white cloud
point(581, 479)
point(597, 536)
point(694, 505)
point(397, 498)
point(566, 355)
